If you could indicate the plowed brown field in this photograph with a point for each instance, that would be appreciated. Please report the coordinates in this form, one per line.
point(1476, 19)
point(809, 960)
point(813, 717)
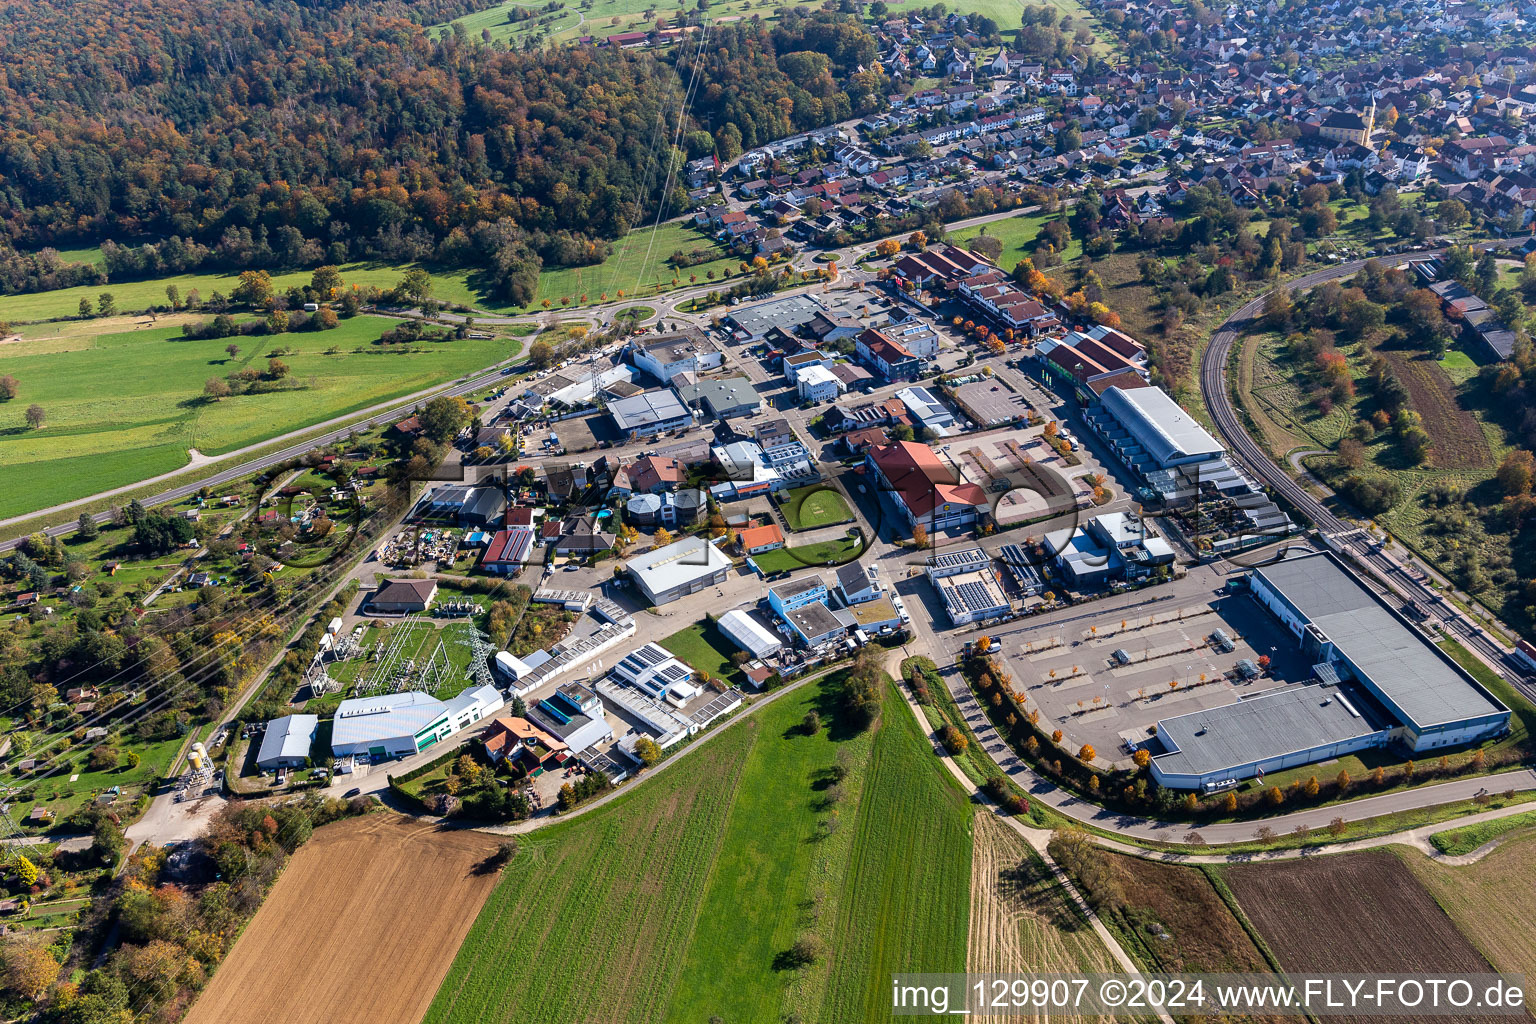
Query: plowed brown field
point(360, 928)
point(1353, 913)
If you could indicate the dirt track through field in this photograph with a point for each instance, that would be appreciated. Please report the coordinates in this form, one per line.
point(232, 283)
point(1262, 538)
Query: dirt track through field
point(1017, 923)
point(360, 928)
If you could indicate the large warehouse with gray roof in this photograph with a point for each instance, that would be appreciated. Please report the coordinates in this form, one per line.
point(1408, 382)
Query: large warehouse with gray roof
point(1379, 681)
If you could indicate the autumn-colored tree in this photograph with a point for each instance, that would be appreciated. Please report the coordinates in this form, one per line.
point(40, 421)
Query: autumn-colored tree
point(1142, 757)
point(1056, 736)
point(1229, 803)
point(1274, 795)
point(919, 535)
point(1086, 753)
point(29, 969)
point(1342, 780)
point(1312, 787)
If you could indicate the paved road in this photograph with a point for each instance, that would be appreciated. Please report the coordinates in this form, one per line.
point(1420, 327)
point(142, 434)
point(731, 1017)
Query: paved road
point(1345, 533)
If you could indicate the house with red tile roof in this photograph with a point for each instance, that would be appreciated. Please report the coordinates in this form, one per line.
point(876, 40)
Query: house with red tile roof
point(927, 491)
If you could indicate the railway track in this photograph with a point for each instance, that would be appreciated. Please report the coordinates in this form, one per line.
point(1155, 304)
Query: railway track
point(1346, 533)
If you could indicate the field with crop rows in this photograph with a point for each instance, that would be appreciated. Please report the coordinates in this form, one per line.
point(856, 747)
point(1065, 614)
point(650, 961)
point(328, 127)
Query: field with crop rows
point(360, 927)
point(1354, 913)
point(1492, 901)
point(682, 899)
point(1021, 919)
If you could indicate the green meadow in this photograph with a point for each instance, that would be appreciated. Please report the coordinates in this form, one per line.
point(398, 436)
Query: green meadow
point(127, 405)
point(681, 900)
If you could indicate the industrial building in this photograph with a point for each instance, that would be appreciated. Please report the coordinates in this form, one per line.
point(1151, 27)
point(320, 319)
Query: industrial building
point(967, 585)
point(925, 407)
point(816, 383)
point(1178, 460)
point(1379, 681)
point(401, 724)
point(649, 412)
point(574, 714)
point(286, 742)
point(391, 725)
point(655, 671)
point(1112, 546)
point(752, 636)
point(724, 399)
point(681, 568)
point(788, 314)
point(687, 351)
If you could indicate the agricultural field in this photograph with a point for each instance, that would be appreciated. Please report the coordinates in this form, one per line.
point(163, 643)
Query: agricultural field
point(360, 927)
point(1202, 933)
point(1491, 901)
point(807, 508)
point(788, 559)
point(124, 403)
point(682, 899)
point(1021, 919)
point(1356, 913)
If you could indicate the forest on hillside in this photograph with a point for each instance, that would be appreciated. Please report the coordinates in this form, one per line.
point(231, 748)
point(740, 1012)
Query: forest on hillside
point(284, 134)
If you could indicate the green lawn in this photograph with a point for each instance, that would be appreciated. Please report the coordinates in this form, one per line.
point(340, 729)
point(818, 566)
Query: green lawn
point(678, 900)
point(69, 789)
point(127, 405)
point(1459, 841)
point(705, 650)
point(815, 506)
point(134, 296)
point(637, 267)
point(598, 18)
point(789, 559)
point(1018, 236)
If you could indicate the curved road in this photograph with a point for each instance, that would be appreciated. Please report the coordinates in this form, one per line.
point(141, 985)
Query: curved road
point(1213, 387)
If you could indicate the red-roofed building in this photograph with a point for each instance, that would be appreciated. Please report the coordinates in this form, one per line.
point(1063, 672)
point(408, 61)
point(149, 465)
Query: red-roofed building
point(924, 488)
point(941, 263)
point(508, 551)
point(757, 539)
point(520, 515)
point(654, 474)
point(866, 437)
point(890, 359)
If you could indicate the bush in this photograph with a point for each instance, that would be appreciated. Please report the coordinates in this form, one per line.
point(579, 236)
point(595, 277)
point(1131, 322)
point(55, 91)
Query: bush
point(954, 740)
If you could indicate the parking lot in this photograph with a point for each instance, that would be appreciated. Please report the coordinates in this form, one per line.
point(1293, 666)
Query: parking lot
point(1167, 663)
